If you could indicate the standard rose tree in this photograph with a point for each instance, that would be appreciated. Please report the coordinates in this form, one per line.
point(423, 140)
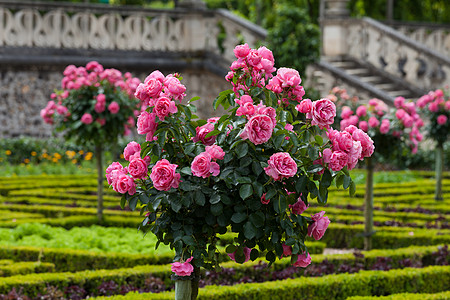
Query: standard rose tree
point(435, 107)
point(94, 107)
point(250, 172)
point(393, 131)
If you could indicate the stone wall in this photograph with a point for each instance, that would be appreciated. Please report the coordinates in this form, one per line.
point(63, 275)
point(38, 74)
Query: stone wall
point(24, 91)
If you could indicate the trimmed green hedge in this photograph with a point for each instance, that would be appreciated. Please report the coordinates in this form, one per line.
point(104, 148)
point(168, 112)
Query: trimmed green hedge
point(33, 284)
point(163, 272)
point(21, 268)
point(350, 236)
point(406, 296)
point(366, 283)
point(69, 260)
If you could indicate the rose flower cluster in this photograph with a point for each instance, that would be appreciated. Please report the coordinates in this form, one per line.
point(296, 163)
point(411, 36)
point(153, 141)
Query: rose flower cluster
point(251, 171)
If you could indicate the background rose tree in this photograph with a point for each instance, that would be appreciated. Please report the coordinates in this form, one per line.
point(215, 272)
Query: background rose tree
point(94, 107)
point(393, 130)
point(250, 172)
point(435, 107)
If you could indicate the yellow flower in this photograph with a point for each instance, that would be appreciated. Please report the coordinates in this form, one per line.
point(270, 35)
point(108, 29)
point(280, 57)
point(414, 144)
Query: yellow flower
point(54, 159)
point(57, 155)
point(88, 156)
point(33, 153)
point(26, 160)
point(70, 154)
point(121, 156)
point(74, 161)
point(81, 152)
point(45, 155)
point(8, 152)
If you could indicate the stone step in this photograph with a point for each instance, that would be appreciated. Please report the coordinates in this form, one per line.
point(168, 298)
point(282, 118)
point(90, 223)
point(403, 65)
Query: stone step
point(371, 79)
point(403, 93)
point(358, 72)
point(385, 86)
point(343, 64)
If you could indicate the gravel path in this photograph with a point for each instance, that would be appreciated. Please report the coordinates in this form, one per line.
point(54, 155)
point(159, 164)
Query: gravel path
point(331, 251)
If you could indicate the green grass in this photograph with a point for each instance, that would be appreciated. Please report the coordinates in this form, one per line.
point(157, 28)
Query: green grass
point(94, 238)
point(86, 167)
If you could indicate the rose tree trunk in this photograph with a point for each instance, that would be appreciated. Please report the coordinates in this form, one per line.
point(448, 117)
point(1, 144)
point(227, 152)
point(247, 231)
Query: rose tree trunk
point(368, 206)
point(99, 162)
point(438, 171)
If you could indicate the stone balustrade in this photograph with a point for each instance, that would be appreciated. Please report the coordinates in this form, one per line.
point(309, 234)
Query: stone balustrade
point(383, 47)
point(433, 36)
point(101, 27)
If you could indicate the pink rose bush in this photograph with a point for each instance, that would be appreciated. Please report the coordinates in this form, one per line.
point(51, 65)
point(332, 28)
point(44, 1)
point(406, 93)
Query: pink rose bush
point(94, 105)
point(390, 129)
point(435, 107)
point(254, 168)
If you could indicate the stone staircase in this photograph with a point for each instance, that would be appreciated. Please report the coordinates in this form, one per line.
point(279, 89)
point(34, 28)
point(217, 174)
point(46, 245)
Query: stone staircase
point(373, 60)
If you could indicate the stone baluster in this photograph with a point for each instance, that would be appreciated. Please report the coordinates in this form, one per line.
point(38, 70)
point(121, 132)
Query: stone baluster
point(333, 31)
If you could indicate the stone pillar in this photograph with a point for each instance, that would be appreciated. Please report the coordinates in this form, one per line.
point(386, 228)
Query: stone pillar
point(191, 4)
point(334, 31)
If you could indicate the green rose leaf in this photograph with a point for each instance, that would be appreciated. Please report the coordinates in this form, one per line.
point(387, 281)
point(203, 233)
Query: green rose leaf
point(257, 219)
point(239, 217)
point(245, 191)
point(249, 230)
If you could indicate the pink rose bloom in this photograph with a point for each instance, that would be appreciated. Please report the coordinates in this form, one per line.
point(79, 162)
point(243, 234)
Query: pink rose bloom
point(94, 66)
point(258, 129)
point(264, 200)
point(385, 126)
point(62, 110)
point(299, 207)
point(447, 105)
point(346, 112)
point(442, 119)
point(246, 254)
point(322, 113)
point(163, 107)
point(287, 250)
point(215, 152)
point(163, 175)
point(275, 85)
point(363, 125)
point(338, 160)
point(146, 124)
point(373, 122)
point(433, 107)
point(99, 107)
point(254, 59)
point(342, 140)
point(247, 109)
point(125, 184)
point(114, 107)
point(320, 225)
point(361, 111)
point(366, 142)
point(174, 87)
point(183, 269)
point(269, 111)
point(131, 150)
point(87, 119)
point(281, 165)
point(305, 106)
point(202, 131)
point(101, 98)
point(288, 77)
point(303, 260)
point(153, 87)
point(326, 155)
point(400, 114)
point(241, 51)
point(202, 166)
point(353, 155)
point(114, 167)
point(244, 99)
point(407, 121)
point(138, 168)
point(399, 102)
point(155, 75)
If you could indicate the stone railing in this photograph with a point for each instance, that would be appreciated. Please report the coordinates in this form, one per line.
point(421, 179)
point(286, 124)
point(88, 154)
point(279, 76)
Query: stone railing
point(383, 47)
point(433, 36)
point(101, 27)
